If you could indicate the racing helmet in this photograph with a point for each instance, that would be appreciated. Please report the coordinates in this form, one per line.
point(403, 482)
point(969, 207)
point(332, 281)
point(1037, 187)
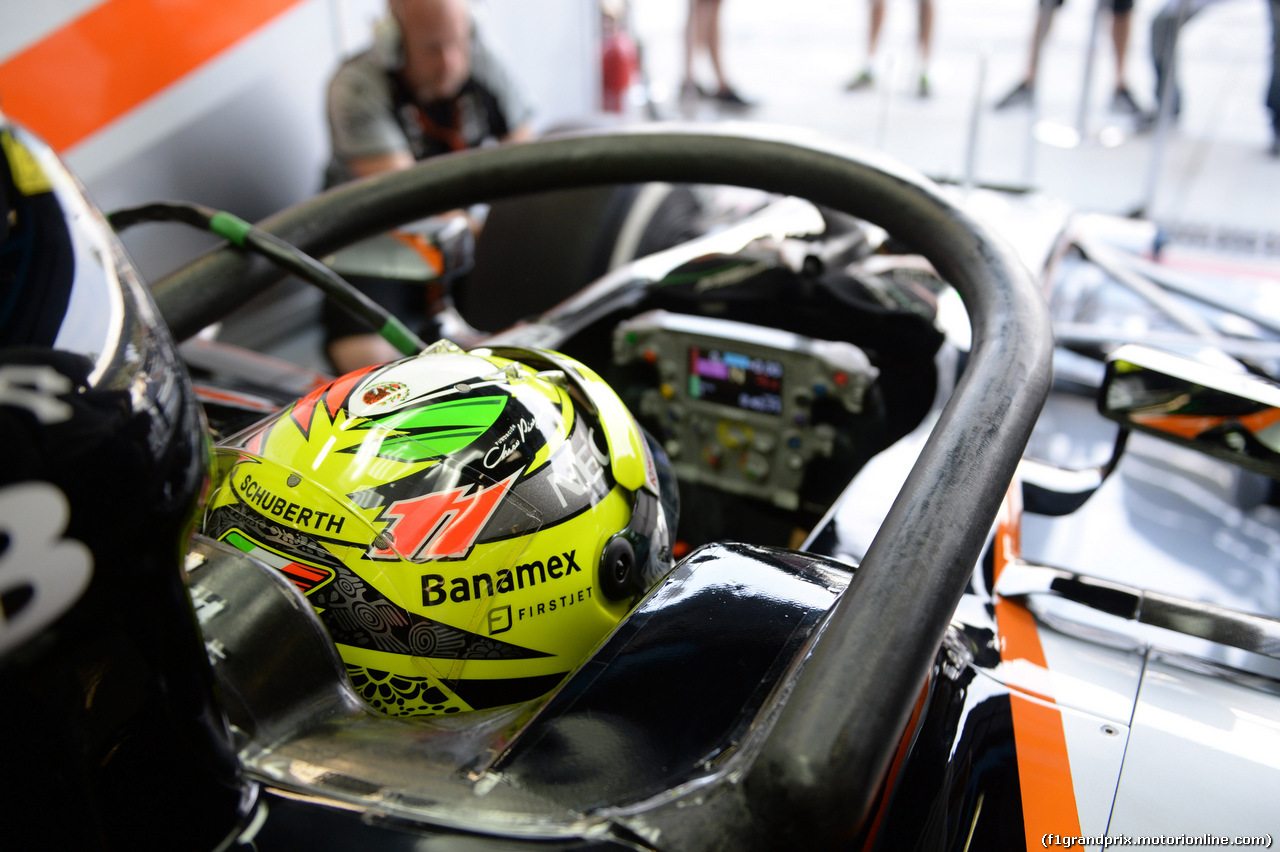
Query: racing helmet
point(469, 525)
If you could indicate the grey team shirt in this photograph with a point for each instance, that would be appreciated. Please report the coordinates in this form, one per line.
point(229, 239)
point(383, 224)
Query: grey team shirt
point(362, 103)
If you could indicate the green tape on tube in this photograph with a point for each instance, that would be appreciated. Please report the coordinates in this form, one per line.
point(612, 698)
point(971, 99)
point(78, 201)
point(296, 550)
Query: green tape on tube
point(230, 226)
point(399, 336)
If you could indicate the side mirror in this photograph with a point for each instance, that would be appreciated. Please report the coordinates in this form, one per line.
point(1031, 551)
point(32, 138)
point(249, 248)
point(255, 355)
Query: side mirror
point(1233, 416)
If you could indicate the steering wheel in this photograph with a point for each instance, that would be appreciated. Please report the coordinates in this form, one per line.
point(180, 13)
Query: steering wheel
point(821, 766)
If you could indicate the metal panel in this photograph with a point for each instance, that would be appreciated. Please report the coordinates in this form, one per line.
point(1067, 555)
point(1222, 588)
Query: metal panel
point(1204, 754)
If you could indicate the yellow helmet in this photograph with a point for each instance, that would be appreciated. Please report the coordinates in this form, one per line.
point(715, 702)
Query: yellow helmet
point(469, 525)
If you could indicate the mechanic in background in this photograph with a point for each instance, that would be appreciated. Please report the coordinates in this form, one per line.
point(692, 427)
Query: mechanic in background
point(1166, 27)
point(428, 85)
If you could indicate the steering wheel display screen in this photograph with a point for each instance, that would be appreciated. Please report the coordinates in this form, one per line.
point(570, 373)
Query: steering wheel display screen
point(735, 379)
point(734, 404)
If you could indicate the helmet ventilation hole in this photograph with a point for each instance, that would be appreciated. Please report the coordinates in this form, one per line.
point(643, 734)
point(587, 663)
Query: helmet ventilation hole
point(617, 569)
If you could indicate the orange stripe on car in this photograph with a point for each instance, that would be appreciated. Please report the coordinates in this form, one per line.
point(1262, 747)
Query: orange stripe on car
point(1044, 770)
point(208, 394)
point(1191, 425)
point(114, 57)
point(895, 767)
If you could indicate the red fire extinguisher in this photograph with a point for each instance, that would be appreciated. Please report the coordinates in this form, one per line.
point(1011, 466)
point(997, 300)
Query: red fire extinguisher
point(620, 58)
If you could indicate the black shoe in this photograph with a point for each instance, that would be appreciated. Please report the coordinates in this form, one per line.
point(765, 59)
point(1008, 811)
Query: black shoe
point(1021, 95)
point(1122, 102)
point(1145, 122)
point(729, 97)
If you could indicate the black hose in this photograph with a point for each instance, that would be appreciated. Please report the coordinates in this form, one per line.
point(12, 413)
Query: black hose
point(282, 254)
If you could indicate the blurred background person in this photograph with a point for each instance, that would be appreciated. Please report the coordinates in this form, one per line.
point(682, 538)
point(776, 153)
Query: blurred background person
point(1273, 92)
point(702, 35)
point(1122, 100)
point(428, 85)
point(1166, 26)
point(871, 70)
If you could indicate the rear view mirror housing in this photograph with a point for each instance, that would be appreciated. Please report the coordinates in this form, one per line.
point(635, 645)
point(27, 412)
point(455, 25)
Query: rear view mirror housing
point(1230, 415)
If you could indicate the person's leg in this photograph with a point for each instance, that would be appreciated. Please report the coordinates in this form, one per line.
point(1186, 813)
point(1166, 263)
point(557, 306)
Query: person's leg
point(712, 36)
point(694, 38)
point(1273, 91)
point(351, 353)
point(873, 32)
point(724, 93)
point(924, 40)
point(1024, 91)
point(1164, 40)
point(1044, 20)
point(925, 34)
point(867, 76)
point(1165, 29)
point(1121, 24)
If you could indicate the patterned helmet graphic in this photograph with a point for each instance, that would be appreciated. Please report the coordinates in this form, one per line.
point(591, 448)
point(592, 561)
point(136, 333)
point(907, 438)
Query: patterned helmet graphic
point(468, 525)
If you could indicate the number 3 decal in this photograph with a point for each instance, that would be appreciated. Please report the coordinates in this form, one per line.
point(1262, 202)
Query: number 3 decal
point(42, 574)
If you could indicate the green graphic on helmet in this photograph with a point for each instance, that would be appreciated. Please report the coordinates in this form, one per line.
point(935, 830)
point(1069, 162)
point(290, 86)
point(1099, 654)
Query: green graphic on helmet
point(440, 429)
point(447, 516)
